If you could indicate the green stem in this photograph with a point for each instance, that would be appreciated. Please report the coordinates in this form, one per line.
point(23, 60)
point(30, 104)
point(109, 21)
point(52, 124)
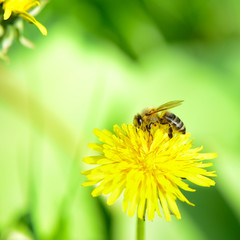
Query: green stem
point(140, 229)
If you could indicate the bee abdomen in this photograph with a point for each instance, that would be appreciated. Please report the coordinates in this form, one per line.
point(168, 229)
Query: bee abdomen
point(175, 122)
point(182, 130)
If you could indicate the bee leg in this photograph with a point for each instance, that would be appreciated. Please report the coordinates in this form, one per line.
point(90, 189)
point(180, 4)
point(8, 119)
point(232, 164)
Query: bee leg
point(163, 121)
point(149, 127)
point(170, 132)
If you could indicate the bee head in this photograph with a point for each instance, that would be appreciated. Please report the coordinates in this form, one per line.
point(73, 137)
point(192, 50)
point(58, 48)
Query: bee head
point(137, 121)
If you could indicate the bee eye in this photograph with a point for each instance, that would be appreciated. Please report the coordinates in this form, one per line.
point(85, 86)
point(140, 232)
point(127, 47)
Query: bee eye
point(139, 119)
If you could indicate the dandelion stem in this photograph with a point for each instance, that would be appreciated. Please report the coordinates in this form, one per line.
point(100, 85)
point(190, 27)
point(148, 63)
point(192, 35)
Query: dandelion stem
point(140, 229)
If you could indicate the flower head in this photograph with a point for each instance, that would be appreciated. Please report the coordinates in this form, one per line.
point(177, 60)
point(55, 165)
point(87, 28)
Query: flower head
point(20, 8)
point(149, 168)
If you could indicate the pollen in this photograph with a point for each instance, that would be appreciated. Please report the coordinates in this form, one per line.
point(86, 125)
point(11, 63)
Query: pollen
point(149, 169)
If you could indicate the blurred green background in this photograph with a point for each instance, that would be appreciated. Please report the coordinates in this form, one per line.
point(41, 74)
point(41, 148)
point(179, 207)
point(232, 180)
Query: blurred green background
point(102, 62)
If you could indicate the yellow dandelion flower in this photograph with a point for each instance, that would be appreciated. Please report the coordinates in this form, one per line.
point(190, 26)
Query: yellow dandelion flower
point(20, 8)
point(149, 168)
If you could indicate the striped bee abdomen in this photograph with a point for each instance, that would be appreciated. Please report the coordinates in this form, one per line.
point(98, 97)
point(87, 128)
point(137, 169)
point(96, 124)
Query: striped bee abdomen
point(175, 122)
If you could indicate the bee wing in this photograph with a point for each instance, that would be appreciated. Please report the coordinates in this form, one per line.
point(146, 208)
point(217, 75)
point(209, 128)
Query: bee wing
point(169, 105)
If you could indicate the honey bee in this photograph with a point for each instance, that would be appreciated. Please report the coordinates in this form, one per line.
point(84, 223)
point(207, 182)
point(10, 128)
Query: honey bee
point(150, 117)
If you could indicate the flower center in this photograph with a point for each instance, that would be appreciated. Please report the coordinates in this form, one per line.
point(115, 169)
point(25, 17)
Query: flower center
point(147, 163)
